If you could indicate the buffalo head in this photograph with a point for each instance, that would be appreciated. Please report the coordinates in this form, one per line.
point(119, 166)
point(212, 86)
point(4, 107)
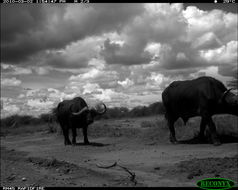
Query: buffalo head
point(230, 101)
point(91, 112)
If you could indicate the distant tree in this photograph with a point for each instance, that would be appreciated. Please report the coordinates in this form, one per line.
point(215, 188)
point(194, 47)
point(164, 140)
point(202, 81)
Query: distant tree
point(115, 112)
point(54, 110)
point(45, 118)
point(18, 120)
point(157, 108)
point(53, 114)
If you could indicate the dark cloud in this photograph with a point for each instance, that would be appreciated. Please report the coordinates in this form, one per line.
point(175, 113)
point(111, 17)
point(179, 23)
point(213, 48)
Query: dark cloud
point(156, 24)
point(62, 61)
point(38, 28)
point(186, 39)
point(228, 7)
point(17, 20)
point(228, 70)
point(126, 55)
point(27, 33)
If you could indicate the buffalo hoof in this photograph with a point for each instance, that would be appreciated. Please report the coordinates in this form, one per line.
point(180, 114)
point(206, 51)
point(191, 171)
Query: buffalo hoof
point(216, 141)
point(174, 142)
point(67, 143)
point(87, 143)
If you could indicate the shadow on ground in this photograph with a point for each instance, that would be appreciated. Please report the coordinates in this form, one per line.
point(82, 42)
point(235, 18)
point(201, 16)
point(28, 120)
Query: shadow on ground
point(92, 144)
point(205, 140)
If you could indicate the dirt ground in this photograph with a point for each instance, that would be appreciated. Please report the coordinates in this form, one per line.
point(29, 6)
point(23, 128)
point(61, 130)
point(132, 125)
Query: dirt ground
point(41, 159)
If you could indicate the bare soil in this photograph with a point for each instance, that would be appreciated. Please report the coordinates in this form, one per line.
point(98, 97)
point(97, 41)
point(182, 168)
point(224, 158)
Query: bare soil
point(41, 159)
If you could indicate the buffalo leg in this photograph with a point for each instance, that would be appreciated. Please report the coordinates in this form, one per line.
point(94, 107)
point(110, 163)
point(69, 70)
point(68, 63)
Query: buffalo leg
point(214, 135)
point(85, 135)
point(202, 128)
point(172, 131)
point(66, 135)
point(74, 134)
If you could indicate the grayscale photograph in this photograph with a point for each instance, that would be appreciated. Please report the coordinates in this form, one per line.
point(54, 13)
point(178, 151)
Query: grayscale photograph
point(119, 95)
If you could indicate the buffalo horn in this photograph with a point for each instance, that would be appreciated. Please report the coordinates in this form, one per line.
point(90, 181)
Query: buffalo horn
point(104, 110)
point(80, 111)
point(225, 94)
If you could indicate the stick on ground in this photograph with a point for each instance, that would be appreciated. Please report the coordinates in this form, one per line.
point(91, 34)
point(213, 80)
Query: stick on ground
point(132, 174)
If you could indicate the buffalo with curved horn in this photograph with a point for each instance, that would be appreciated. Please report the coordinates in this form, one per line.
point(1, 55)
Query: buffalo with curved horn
point(75, 113)
point(205, 97)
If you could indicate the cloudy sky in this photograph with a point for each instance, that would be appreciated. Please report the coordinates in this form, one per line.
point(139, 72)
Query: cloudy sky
point(121, 54)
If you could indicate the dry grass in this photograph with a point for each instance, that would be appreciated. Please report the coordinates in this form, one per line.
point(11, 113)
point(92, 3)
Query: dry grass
point(155, 130)
point(148, 129)
point(26, 129)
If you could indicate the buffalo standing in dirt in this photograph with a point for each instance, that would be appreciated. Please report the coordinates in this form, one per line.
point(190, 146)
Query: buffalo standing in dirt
point(204, 96)
point(73, 114)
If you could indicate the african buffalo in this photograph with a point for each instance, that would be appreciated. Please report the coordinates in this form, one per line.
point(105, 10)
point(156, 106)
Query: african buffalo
point(204, 96)
point(76, 114)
